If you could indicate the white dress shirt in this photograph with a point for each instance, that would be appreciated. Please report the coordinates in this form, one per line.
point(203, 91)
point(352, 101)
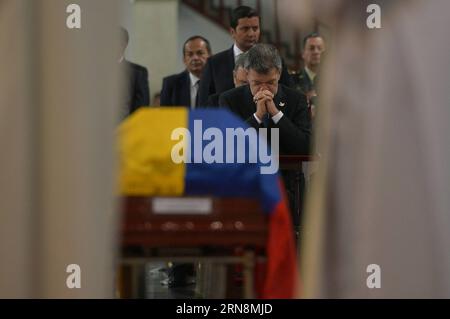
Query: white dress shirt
point(276, 118)
point(237, 52)
point(310, 73)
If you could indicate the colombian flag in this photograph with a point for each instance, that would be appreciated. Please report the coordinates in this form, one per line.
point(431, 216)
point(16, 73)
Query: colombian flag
point(147, 168)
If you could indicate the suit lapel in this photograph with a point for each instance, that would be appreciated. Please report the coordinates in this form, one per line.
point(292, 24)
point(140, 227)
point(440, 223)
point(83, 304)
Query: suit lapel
point(231, 57)
point(280, 99)
point(308, 80)
point(128, 83)
point(229, 73)
point(185, 94)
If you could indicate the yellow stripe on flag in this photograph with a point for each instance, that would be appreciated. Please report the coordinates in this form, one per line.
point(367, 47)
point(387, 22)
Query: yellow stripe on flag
point(145, 145)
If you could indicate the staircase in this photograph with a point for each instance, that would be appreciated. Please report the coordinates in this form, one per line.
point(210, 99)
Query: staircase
point(287, 41)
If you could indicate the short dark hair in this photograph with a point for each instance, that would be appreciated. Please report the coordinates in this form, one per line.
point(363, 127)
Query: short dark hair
point(310, 36)
point(208, 46)
point(242, 12)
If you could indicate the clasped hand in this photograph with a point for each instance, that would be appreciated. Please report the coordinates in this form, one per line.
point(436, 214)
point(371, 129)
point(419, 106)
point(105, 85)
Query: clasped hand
point(264, 103)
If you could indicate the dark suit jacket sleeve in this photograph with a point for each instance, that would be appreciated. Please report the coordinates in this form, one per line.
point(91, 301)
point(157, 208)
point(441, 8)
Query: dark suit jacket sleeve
point(224, 102)
point(207, 87)
point(295, 130)
point(253, 122)
point(166, 93)
point(213, 100)
point(142, 91)
point(210, 101)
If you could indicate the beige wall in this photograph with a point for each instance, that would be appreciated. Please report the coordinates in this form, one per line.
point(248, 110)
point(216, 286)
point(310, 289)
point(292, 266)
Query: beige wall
point(191, 23)
point(154, 38)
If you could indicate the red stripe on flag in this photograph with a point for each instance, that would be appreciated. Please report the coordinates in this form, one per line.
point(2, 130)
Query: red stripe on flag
point(281, 270)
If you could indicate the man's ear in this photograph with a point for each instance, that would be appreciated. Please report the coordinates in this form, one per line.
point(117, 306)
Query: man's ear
point(279, 75)
point(232, 32)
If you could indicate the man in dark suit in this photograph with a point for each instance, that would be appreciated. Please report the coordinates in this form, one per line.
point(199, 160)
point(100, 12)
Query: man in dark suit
point(137, 92)
point(306, 81)
point(218, 73)
point(239, 79)
point(266, 103)
point(181, 89)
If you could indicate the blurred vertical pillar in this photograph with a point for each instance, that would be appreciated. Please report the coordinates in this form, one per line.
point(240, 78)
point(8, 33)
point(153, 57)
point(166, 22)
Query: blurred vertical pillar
point(16, 196)
point(58, 110)
point(78, 94)
point(380, 196)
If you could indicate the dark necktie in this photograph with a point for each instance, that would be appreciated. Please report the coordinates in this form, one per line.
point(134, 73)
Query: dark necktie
point(196, 85)
point(266, 120)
